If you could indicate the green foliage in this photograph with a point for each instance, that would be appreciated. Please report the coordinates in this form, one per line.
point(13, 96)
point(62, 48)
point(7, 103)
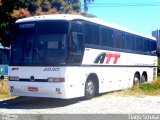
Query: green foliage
point(155, 85)
point(152, 88)
point(11, 10)
point(149, 86)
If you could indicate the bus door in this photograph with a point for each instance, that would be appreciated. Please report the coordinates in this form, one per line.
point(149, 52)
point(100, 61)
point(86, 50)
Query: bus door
point(76, 42)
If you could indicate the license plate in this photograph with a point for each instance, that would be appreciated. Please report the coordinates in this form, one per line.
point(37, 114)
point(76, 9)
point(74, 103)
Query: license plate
point(33, 89)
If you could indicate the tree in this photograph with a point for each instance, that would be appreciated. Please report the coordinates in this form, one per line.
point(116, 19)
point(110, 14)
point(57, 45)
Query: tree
point(11, 10)
point(6, 7)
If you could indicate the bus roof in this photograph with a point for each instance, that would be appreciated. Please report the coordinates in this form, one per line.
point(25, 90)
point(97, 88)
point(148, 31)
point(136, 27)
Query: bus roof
point(73, 17)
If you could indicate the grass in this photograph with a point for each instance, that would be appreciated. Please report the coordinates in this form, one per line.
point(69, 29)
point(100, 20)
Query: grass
point(4, 89)
point(152, 89)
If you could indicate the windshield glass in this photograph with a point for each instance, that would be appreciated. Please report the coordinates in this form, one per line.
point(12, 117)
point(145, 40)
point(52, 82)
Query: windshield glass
point(39, 43)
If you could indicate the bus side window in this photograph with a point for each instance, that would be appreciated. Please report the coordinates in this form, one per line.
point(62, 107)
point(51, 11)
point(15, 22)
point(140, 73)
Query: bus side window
point(88, 33)
point(77, 42)
point(96, 35)
point(118, 39)
point(107, 37)
point(146, 45)
point(153, 47)
point(130, 42)
point(139, 44)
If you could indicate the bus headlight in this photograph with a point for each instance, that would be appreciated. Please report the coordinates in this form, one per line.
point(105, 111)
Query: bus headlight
point(52, 79)
point(14, 78)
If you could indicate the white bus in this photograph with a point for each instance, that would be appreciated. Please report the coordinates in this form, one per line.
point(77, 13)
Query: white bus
point(69, 56)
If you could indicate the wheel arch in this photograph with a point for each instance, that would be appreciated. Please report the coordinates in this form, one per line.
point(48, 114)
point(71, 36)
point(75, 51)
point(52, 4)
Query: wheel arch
point(136, 78)
point(146, 75)
point(138, 73)
point(2, 77)
point(94, 77)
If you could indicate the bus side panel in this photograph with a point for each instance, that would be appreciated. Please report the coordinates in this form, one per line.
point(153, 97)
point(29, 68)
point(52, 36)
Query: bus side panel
point(76, 79)
point(117, 69)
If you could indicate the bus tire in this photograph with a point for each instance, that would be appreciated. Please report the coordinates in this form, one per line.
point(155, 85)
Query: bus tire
point(144, 77)
point(2, 77)
point(136, 79)
point(90, 89)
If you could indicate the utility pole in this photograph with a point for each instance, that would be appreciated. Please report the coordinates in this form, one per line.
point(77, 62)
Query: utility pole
point(85, 6)
point(86, 2)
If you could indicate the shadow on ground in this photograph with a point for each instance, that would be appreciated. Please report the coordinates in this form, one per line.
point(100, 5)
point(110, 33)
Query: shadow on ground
point(37, 103)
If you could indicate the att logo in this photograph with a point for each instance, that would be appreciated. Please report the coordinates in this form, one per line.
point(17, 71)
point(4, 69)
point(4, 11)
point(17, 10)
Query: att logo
point(15, 69)
point(105, 58)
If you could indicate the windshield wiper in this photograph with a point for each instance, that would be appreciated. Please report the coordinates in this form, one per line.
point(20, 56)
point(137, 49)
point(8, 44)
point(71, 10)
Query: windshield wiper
point(41, 58)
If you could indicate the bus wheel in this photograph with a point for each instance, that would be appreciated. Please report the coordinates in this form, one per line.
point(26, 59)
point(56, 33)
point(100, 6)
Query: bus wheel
point(144, 78)
point(136, 79)
point(2, 77)
point(90, 89)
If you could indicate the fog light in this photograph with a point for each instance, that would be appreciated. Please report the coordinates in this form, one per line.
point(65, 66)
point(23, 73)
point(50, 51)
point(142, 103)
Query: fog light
point(52, 79)
point(58, 89)
point(13, 78)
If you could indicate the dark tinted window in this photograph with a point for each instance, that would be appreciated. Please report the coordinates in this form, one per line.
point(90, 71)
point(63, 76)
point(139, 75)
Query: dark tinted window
point(153, 47)
point(139, 44)
point(88, 33)
point(118, 38)
point(128, 42)
point(43, 27)
point(107, 37)
point(133, 42)
point(96, 35)
point(146, 45)
point(53, 27)
point(77, 26)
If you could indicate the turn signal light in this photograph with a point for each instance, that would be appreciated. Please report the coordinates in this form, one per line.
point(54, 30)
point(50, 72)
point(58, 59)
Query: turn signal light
point(52, 79)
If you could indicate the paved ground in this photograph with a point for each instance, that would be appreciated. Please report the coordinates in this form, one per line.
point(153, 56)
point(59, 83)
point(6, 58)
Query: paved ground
point(99, 105)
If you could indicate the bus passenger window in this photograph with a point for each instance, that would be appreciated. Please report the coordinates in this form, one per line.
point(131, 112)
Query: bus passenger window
point(130, 42)
point(88, 33)
point(107, 37)
point(96, 35)
point(118, 39)
point(76, 45)
point(147, 46)
point(153, 47)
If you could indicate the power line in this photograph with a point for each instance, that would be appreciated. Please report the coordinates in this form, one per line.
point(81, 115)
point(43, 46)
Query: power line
point(124, 4)
point(96, 5)
point(152, 3)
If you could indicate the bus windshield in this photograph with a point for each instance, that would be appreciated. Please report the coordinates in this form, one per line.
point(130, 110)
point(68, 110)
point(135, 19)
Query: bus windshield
point(39, 43)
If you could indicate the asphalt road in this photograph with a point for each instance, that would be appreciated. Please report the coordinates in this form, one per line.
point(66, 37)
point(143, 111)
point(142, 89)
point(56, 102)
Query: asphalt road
point(104, 104)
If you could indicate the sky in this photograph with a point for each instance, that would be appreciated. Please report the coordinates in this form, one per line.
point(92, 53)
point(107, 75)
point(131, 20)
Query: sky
point(141, 16)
